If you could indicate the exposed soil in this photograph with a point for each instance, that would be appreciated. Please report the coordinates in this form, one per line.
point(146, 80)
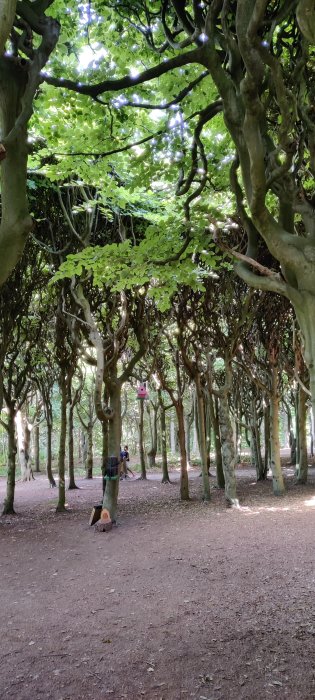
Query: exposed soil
point(180, 600)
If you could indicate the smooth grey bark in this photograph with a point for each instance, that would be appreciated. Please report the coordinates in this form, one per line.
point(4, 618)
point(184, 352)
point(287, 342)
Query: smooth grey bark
point(72, 485)
point(86, 447)
point(105, 452)
point(165, 474)
point(36, 449)
point(7, 14)
point(89, 452)
point(255, 442)
point(295, 451)
point(152, 452)
point(110, 499)
point(8, 506)
point(16, 222)
point(214, 411)
point(141, 441)
point(302, 464)
point(172, 436)
point(19, 82)
point(228, 449)
point(184, 484)
point(267, 454)
point(202, 437)
point(189, 421)
point(208, 425)
point(24, 445)
point(275, 462)
point(50, 475)
point(61, 505)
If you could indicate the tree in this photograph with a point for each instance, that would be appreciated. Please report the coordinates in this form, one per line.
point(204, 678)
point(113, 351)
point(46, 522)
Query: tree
point(33, 37)
point(21, 329)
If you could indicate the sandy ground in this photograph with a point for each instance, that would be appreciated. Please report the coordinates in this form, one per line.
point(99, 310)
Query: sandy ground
point(180, 600)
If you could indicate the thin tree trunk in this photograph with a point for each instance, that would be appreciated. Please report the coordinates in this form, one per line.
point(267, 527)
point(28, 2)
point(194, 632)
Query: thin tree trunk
point(202, 438)
point(302, 465)
point(110, 499)
point(208, 430)
point(141, 442)
point(105, 452)
point(184, 485)
point(228, 450)
point(153, 432)
point(275, 462)
point(187, 433)
point(311, 432)
point(8, 506)
point(255, 445)
point(24, 446)
point(172, 436)
point(36, 449)
point(50, 475)
point(195, 447)
point(267, 455)
point(62, 444)
point(296, 446)
point(72, 484)
point(89, 455)
point(165, 474)
point(214, 412)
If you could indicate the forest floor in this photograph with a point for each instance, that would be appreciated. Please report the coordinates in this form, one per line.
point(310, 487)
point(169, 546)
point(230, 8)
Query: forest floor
point(179, 601)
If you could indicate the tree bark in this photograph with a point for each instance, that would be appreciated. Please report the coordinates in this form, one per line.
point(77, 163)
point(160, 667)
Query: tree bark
point(228, 449)
point(105, 452)
point(214, 413)
point(275, 462)
point(72, 484)
point(8, 506)
point(184, 484)
point(165, 474)
point(7, 14)
point(24, 445)
point(62, 444)
point(89, 452)
point(267, 455)
point(188, 424)
point(153, 432)
point(255, 443)
point(50, 475)
point(15, 222)
point(36, 449)
point(302, 465)
point(172, 436)
point(202, 438)
point(110, 499)
point(141, 441)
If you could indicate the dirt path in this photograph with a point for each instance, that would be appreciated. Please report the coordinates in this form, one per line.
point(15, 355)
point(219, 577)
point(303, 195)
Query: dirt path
point(179, 601)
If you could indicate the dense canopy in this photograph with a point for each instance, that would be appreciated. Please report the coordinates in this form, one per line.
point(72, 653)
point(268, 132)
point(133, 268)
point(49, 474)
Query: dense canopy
point(146, 147)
